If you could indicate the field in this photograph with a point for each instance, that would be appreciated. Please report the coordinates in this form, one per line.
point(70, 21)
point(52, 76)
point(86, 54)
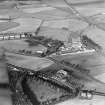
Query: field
point(97, 100)
point(28, 18)
point(8, 25)
point(33, 63)
point(19, 45)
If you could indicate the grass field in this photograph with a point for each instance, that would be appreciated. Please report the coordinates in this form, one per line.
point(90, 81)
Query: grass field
point(25, 22)
point(29, 62)
point(3, 73)
point(26, 25)
point(19, 45)
point(8, 25)
point(5, 98)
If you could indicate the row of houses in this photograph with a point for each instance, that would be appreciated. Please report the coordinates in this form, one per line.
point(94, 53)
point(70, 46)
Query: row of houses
point(12, 36)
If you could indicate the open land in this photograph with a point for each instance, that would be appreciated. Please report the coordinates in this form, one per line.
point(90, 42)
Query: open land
point(28, 19)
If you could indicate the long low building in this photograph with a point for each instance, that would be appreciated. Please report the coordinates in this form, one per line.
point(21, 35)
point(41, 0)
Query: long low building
point(11, 37)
